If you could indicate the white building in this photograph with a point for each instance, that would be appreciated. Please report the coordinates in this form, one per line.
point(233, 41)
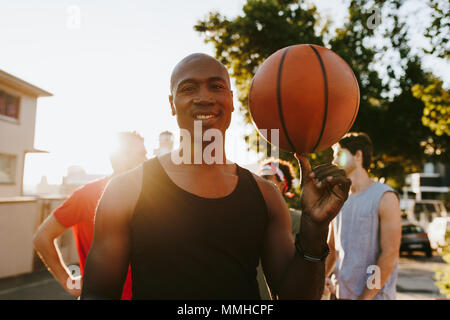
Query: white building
point(75, 178)
point(20, 216)
point(433, 183)
point(18, 103)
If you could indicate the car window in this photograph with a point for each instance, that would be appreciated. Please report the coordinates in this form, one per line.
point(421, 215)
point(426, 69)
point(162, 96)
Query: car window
point(426, 212)
point(441, 208)
point(418, 209)
point(410, 229)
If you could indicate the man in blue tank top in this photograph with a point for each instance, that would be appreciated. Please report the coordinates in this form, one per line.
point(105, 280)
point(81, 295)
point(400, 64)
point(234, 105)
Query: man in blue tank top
point(365, 236)
point(196, 229)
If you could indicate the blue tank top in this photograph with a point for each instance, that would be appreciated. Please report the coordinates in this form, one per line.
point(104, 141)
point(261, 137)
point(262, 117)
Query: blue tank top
point(357, 242)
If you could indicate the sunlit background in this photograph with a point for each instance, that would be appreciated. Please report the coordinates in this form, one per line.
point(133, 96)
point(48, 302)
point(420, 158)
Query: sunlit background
point(108, 65)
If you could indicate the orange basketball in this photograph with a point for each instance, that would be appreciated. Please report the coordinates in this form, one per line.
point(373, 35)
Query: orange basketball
point(307, 92)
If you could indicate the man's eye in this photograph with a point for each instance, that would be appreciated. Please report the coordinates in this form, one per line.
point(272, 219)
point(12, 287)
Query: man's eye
point(187, 89)
point(218, 86)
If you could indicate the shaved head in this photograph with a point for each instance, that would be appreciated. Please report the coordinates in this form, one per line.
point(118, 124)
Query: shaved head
point(196, 60)
point(200, 86)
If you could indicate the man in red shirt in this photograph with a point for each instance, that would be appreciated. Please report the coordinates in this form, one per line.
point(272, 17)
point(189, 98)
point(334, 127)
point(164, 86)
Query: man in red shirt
point(78, 212)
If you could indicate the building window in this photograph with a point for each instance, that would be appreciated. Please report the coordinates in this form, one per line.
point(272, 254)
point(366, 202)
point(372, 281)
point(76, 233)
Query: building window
point(7, 168)
point(9, 105)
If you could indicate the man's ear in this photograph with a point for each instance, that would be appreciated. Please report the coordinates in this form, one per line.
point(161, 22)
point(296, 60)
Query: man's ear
point(171, 105)
point(359, 156)
point(232, 103)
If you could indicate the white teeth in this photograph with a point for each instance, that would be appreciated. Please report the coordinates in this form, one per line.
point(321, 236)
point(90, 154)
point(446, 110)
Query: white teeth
point(204, 116)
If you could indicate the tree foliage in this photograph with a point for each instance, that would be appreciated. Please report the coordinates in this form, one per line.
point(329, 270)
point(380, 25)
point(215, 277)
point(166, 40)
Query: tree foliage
point(436, 114)
point(392, 105)
point(442, 274)
point(439, 29)
point(243, 43)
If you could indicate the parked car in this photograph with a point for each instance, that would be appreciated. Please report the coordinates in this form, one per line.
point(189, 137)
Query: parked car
point(431, 215)
point(414, 238)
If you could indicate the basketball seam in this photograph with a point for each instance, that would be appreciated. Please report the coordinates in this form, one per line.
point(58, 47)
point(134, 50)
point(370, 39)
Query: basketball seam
point(325, 83)
point(280, 106)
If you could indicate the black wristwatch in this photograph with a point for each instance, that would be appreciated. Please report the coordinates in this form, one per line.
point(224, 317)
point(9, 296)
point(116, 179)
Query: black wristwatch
point(308, 256)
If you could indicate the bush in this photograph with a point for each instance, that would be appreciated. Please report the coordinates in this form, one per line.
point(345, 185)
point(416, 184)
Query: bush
point(443, 274)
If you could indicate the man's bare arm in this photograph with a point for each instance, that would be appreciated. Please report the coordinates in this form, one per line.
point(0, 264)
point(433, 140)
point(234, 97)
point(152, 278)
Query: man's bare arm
point(332, 257)
point(45, 244)
point(390, 239)
point(288, 275)
point(108, 259)
point(324, 191)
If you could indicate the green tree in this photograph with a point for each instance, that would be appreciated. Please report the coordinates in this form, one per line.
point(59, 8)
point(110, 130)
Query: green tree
point(439, 29)
point(389, 112)
point(410, 142)
point(244, 42)
point(436, 114)
point(442, 274)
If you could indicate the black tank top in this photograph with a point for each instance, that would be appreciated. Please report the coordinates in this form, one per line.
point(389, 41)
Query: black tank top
point(187, 247)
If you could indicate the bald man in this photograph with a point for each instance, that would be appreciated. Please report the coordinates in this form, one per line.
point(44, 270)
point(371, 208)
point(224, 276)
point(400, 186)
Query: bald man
point(195, 230)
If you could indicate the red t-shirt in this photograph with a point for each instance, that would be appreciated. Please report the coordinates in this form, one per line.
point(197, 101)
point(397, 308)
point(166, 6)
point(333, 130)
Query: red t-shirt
point(78, 212)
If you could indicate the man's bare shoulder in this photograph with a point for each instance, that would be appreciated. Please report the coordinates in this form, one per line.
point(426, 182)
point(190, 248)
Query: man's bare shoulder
point(123, 191)
point(130, 178)
point(389, 204)
point(274, 200)
point(267, 188)
point(390, 195)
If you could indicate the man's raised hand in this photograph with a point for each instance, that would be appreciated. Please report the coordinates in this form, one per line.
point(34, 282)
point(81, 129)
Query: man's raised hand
point(324, 191)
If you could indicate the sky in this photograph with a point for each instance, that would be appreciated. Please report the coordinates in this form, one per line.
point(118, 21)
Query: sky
point(108, 71)
point(107, 64)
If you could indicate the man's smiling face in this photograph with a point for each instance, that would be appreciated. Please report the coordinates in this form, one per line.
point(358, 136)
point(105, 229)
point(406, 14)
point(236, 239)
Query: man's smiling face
point(200, 91)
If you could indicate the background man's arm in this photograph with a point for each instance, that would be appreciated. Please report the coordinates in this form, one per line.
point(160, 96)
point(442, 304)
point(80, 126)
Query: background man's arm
point(45, 244)
point(332, 257)
point(390, 238)
point(108, 259)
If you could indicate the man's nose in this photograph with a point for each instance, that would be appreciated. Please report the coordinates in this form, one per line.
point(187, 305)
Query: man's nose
point(204, 96)
point(204, 100)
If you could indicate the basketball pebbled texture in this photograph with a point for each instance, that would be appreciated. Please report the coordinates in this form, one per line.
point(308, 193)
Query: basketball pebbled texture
point(307, 92)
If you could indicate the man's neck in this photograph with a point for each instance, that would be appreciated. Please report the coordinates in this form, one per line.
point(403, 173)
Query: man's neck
point(212, 156)
point(360, 181)
point(220, 164)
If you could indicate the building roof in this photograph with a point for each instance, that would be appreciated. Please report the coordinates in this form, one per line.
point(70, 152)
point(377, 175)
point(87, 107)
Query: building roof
point(34, 150)
point(22, 86)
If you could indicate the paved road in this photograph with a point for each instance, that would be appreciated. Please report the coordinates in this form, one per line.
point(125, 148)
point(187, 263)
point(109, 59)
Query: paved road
point(416, 277)
point(416, 281)
point(39, 285)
